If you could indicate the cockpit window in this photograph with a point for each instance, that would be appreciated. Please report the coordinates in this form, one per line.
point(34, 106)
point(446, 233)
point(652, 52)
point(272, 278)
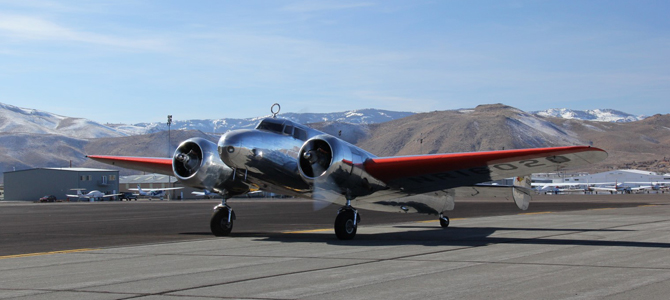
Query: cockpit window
point(271, 125)
point(300, 134)
point(288, 130)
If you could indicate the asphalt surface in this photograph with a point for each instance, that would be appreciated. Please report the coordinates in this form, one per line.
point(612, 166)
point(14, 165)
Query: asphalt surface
point(44, 227)
point(564, 247)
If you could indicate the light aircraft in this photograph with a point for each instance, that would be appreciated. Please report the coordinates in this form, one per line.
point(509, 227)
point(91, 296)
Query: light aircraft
point(153, 193)
point(652, 186)
point(284, 157)
point(205, 194)
point(94, 194)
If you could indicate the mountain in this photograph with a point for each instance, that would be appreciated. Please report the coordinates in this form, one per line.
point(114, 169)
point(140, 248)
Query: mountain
point(598, 115)
point(487, 127)
point(362, 116)
point(32, 138)
point(16, 120)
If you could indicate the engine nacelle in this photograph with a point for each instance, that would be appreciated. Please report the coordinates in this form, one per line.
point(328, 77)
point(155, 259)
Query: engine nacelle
point(329, 163)
point(196, 162)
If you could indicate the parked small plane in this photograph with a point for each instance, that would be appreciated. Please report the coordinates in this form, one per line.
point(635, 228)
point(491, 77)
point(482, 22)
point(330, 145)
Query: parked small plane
point(154, 193)
point(94, 194)
point(205, 194)
point(283, 157)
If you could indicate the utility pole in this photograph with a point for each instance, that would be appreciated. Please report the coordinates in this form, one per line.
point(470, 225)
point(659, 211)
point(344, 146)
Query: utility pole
point(169, 123)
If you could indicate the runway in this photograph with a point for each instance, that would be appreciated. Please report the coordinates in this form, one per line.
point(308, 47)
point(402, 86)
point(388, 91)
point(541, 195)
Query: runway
point(579, 247)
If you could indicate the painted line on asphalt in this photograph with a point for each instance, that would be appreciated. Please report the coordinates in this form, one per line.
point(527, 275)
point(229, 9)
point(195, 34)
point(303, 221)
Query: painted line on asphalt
point(537, 213)
point(48, 253)
point(308, 231)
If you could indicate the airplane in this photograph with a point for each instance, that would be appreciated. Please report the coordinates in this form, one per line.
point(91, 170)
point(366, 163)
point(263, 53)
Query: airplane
point(288, 158)
point(151, 193)
point(616, 188)
point(205, 194)
point(560, 187)
point(652, 186)
point(94, 194)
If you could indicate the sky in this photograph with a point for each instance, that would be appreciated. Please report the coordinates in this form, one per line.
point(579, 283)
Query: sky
point(123, 61)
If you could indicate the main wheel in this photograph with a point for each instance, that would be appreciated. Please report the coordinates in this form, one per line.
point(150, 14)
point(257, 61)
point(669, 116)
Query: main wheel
point(345, 229)
point(444, 221)
point(219, 222)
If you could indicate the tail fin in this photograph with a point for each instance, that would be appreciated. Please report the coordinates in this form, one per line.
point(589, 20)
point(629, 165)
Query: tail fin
point(521, 191)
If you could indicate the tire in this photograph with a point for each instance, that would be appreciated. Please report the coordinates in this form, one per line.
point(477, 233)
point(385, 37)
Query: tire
point(219, 222)
point(344, 225)
point(444, 221)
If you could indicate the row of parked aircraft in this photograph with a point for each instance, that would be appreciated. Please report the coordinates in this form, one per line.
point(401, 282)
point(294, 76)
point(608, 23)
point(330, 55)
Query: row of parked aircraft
point(151, 193)
point(283, 157)
point(612, 187)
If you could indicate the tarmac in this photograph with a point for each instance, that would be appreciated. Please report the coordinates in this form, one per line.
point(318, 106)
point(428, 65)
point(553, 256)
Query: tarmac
point(605, 252)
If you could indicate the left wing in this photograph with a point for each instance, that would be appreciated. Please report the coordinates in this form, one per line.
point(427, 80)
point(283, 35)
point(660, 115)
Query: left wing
point(158, 165)
point(426, 173)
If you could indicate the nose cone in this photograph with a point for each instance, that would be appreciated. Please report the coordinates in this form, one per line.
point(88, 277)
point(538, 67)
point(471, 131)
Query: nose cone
point(229, 148)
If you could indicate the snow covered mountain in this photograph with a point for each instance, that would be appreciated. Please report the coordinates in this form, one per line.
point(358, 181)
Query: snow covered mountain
point(16, 120)
point(598, 115)
point(363, 116)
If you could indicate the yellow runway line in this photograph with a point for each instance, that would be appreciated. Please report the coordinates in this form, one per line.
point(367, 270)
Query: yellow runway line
point(431, 221)
point(48, 253)
point(308, 231)
point(537, 213)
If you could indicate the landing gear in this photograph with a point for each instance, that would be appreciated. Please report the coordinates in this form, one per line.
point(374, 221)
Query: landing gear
point(222, 219)
point(444, 221)
point(346, 222)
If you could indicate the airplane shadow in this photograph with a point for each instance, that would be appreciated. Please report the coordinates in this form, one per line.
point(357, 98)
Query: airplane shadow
point(453, 236)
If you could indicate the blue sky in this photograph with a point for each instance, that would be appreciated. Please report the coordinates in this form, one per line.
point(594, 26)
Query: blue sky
point(138, 61)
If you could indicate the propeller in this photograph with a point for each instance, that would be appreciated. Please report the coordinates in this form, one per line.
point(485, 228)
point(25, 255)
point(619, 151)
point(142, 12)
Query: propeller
point(315, 159)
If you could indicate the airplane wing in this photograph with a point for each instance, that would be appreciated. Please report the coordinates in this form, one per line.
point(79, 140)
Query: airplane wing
point(158, 165)
point(425, 173)
point(111, 195)
point(77, 196)
point(159, 189)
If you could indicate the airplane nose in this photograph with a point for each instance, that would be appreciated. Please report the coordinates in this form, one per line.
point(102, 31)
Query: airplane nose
point(229, 148)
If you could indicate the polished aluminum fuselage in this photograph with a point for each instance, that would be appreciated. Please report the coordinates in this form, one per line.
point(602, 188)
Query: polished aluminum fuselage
point(267, 156)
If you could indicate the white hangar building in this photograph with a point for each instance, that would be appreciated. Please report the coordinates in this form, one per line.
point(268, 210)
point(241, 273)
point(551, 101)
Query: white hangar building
point(620, 176)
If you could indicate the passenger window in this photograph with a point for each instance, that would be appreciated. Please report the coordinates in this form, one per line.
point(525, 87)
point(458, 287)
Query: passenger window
point(300, 134)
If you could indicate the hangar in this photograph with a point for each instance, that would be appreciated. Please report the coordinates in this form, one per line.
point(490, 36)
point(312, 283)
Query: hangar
point(621, 176)
point(32, 184)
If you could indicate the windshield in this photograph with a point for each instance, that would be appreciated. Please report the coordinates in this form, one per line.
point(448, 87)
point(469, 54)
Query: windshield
point(271, 125)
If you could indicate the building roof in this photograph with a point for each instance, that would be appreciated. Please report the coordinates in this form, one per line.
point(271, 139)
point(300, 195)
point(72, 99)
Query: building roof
point(151, 178)
point(80, 169)
point(67, 170)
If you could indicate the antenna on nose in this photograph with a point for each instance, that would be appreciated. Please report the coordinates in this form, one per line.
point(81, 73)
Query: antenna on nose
point(272, 110)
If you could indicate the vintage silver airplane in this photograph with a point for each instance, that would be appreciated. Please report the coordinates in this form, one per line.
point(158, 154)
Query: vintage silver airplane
point(287, 158)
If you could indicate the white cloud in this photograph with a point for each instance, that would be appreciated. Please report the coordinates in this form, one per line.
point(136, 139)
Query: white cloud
point(29, 28)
